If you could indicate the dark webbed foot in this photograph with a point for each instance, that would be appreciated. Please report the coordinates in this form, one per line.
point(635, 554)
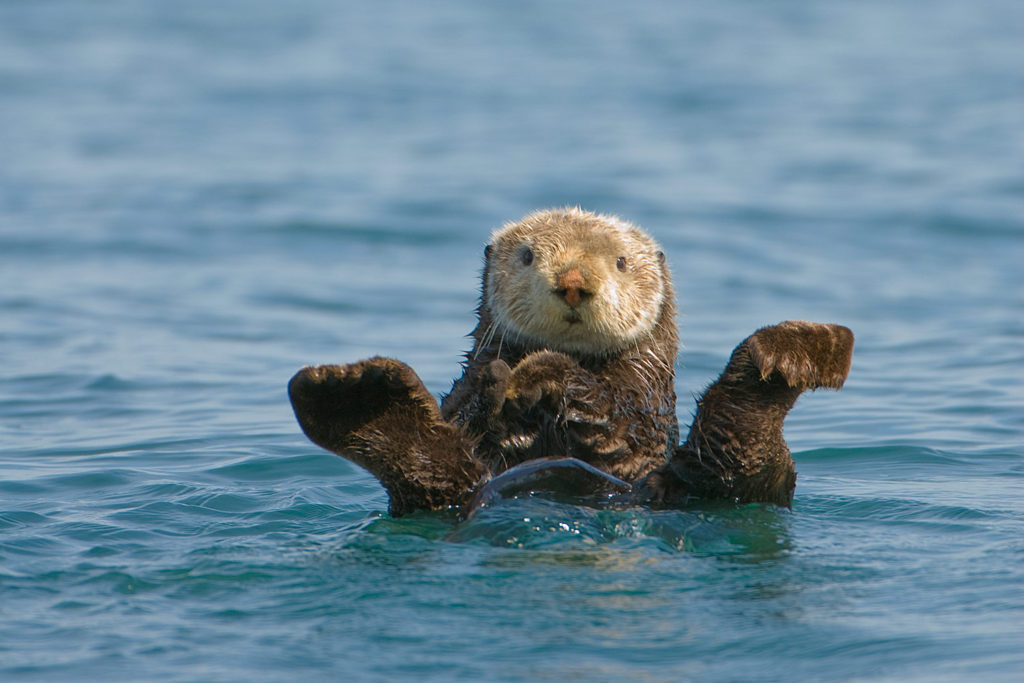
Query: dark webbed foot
point(806, 355)
point(735, 449)
point(378, 414)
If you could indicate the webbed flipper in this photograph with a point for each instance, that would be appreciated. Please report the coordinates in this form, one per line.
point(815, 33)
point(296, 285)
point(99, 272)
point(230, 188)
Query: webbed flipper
point(559, 476)
point(735, 449)
point(378, 414)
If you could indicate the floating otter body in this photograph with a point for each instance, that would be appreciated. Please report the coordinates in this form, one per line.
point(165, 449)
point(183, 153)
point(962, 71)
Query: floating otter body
point(570, 385)
point(574, 349)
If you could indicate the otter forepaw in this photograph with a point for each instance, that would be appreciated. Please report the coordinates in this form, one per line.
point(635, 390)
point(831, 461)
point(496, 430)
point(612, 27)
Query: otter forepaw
point(541, 377)
point(494, 382)
point(806, 355)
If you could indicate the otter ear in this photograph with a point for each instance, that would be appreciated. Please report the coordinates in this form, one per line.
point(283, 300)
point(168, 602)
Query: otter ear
point(661, 257)
point(487, 252)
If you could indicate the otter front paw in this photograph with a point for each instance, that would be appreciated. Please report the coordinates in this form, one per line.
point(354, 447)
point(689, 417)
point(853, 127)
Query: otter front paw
point(551, 392)
point(806, 355)
point(494, 381)
point(540, 379)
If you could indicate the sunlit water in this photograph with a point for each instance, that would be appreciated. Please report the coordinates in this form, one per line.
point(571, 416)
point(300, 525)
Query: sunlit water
point(198, 198)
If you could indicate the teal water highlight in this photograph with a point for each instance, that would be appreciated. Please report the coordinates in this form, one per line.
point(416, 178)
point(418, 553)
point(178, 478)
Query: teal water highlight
point(199, 198)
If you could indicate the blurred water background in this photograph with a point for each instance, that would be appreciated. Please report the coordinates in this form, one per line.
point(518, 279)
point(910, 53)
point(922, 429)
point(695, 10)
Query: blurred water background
point(197, 198)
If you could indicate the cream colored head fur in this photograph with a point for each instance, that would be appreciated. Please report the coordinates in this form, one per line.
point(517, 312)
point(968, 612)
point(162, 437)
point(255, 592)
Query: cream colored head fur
point(617, 272)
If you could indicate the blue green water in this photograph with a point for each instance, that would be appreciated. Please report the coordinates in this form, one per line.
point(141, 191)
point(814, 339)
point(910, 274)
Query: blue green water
point(197, 198)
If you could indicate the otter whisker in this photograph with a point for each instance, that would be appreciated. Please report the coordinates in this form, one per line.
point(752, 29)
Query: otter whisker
point(486, 338)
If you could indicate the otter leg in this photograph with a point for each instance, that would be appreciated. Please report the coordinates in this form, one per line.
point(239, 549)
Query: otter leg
point(378, 414)
point(735, 449)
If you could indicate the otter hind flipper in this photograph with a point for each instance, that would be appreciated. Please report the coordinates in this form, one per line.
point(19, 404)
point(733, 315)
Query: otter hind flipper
point(807, 355)
point(559, 476)
point(378, 414)
point(735, 449)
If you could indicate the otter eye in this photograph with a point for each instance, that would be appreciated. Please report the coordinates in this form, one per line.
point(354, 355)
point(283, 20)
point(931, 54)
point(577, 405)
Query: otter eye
point(621, 264)
point(526, 256)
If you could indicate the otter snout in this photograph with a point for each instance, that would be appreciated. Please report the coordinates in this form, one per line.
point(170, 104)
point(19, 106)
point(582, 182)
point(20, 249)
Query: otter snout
point(571, 286)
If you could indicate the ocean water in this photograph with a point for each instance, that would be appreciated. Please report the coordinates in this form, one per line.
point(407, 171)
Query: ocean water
point(198, 198)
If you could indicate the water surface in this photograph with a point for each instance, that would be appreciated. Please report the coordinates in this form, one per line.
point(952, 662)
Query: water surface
point(198, 198)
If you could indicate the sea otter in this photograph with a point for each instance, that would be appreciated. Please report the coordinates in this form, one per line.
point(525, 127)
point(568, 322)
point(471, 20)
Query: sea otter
point(574, 349)
point(570, 385)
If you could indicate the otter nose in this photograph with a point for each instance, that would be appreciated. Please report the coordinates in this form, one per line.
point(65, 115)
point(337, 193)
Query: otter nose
point(570, 287)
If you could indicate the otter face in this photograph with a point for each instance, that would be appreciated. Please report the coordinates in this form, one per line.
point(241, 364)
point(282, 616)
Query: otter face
point(573, 281)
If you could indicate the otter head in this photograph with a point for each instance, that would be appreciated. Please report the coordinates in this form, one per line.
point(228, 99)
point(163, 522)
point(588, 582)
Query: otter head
point(573, 281)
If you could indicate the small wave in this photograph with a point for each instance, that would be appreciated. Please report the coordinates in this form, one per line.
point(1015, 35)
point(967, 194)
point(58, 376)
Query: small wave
point(896, 510)
point(368, 233)
point(872, 454)
point(21, 519)
point(277, 468)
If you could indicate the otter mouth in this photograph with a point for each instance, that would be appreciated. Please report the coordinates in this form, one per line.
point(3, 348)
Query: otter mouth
point(573, 317)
